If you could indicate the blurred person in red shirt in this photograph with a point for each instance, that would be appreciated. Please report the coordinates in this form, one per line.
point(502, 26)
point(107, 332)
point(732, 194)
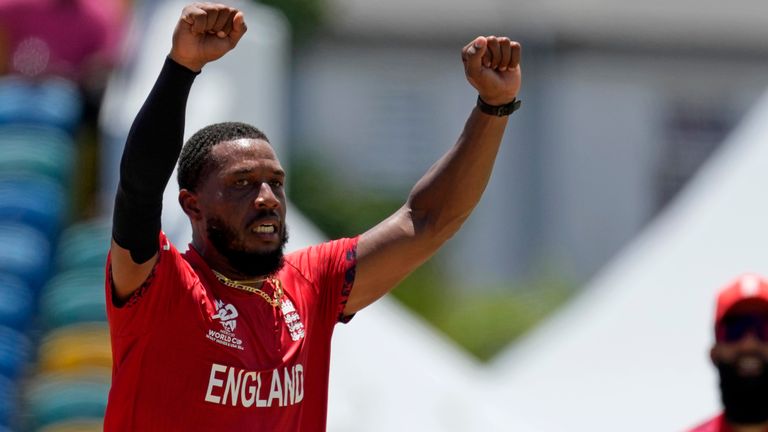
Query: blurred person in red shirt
point(740, 354)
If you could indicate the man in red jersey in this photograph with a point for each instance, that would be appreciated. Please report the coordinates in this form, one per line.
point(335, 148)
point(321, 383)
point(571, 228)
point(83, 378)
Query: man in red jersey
point(740, 354)
point(232, 335)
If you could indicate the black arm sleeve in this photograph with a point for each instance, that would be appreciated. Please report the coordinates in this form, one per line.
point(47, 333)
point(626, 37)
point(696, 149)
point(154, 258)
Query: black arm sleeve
point(151, 151)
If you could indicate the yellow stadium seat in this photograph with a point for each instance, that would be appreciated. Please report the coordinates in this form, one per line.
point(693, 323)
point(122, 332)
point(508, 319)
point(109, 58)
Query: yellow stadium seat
point(76, 425)
point(74, 347)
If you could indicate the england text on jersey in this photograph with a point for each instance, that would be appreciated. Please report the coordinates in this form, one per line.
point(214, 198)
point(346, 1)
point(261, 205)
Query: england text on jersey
point(228, 385)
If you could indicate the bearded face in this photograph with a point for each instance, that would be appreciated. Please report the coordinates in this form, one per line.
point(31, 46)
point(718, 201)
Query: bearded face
point(251, 263)
point(741, 358)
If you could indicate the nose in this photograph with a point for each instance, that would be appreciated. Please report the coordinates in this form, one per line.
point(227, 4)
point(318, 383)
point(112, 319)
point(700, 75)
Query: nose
point(266, 197)
point(749, 341)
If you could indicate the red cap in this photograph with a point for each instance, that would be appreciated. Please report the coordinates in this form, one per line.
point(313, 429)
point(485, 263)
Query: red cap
point(748, 288)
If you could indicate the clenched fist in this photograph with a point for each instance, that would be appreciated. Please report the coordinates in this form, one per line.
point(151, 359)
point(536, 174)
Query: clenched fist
point(492, 66)
point(205, 32)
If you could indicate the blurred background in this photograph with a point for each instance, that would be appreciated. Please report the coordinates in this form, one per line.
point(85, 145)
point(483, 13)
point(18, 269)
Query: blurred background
point(579, 294)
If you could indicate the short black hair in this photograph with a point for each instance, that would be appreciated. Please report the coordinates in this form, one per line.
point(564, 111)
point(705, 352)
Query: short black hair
point(194, 155)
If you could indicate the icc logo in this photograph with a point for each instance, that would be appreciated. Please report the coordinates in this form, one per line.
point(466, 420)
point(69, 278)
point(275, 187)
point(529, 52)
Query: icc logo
point(226, 313)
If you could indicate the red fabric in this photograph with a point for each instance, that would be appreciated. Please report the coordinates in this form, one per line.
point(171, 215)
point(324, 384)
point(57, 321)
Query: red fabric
point(747, 287)
point(190, 354)
point(716, 424)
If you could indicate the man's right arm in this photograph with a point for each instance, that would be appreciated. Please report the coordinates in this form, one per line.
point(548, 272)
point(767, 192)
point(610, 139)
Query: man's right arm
point(204, 33)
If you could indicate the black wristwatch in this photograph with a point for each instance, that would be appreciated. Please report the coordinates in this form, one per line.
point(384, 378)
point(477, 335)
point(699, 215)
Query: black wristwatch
point(498, 110)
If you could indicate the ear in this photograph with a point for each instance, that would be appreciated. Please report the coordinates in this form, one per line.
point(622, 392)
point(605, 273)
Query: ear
point(188, 202)
point(713, 354)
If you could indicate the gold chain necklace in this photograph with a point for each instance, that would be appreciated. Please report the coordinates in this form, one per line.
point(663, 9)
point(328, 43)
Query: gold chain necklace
point(241, 285)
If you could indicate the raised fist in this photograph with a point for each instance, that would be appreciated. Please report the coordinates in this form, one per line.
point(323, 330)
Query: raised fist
point(205, 32)
point(492, 66)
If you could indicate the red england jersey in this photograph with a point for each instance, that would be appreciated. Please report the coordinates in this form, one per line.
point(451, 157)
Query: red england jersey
point(192, 354)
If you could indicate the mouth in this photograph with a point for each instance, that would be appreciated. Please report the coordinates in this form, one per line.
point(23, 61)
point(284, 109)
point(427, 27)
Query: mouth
point(265, 228)
point(749, 365)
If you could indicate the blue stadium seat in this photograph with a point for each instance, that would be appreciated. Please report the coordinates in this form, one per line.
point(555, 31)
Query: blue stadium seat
point(72, 297)
point(17, 302)
point(53, 398)
point(8, 402)
point(36, 201)
point(84, 245)
point(15, 350)
point(55, 102)
point(44, 150)
point(26, 253)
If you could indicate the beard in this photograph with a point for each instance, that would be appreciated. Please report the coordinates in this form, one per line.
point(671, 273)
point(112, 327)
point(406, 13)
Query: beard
point(745, 399)
point(250, 263)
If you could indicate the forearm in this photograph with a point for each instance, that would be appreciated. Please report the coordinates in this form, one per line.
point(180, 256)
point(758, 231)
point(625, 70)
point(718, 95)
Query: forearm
point(445, 196)
point(151, 151)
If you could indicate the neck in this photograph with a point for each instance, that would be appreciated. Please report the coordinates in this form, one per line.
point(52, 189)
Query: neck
point(218, 263)
point(251, 282)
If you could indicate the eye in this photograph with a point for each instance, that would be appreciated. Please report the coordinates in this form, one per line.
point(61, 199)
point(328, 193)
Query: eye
point(242, 182)
point(276, 183)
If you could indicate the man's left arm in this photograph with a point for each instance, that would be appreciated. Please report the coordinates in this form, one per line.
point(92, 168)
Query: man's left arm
point(444, 197)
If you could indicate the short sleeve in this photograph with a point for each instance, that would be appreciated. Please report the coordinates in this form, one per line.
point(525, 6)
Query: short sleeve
point(155, 298)
point(331, 266)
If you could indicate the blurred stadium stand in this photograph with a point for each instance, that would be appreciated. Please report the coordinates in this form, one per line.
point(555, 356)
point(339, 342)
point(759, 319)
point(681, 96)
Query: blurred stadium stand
point(38, 123)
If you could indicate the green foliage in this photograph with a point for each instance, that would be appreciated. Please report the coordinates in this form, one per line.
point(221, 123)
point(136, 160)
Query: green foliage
point(337, 210)
point(483, 320)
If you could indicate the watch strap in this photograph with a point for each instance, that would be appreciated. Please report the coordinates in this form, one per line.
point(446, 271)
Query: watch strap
point(498, 110)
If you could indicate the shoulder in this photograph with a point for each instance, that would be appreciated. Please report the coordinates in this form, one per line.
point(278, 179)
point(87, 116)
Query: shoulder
point(169, 267)
point(313, 261)
point(323, 253)
point(299, 264)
